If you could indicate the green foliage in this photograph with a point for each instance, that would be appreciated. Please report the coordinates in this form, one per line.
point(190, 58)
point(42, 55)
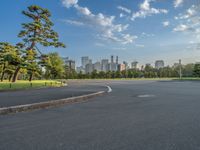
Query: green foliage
point(197, 70)
point(55, 66)
point(39, 30)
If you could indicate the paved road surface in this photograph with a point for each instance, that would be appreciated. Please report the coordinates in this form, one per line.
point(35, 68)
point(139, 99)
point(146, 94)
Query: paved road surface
point(137, 115)
point(46, 94)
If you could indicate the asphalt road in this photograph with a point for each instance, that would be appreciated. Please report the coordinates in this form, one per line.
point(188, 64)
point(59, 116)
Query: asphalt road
point(30, 96)
point(137, 115)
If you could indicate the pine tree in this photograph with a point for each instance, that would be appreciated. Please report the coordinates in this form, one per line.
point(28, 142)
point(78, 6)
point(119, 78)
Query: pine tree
point(37, 32)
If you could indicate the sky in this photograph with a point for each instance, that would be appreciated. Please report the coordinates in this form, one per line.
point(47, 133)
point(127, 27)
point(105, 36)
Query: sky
point(134, 30)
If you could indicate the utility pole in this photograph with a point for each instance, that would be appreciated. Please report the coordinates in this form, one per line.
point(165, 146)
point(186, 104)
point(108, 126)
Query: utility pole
point(180, 69)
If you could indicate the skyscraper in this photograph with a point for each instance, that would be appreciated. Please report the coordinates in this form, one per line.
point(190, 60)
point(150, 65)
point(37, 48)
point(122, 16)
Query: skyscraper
point(134, 65)
point(112, 59)
point(159, 64)
point(126, 64)
point(97, 66)
point(70, 63)
point(84, 61)
point(89, 68)
point(104, 65)
point(117, 59)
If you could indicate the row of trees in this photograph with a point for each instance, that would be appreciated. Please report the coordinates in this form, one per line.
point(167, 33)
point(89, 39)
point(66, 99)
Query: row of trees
point(189, 70)
point(25, 57)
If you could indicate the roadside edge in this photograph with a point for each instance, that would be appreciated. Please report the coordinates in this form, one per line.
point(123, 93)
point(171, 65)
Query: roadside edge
point(48, 104)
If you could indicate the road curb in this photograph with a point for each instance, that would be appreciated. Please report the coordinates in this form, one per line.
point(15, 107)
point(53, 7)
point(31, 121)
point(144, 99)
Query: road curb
point(49, 104)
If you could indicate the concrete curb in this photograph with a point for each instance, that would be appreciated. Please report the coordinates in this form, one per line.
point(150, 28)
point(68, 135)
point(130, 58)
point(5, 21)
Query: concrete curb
point(49, 104)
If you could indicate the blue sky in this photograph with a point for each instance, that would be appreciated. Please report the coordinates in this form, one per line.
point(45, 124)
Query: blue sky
point(142, 30)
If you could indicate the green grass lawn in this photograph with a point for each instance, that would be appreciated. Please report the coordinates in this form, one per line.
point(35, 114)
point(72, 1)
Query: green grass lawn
point(26, 84)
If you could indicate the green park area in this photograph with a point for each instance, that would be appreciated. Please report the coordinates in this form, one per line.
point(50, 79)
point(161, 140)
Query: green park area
point(23, 84)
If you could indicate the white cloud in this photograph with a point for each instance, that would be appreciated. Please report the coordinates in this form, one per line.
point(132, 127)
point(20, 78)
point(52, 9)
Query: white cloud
point(124, 9)
point(147, 10)
point(147, 35)
point(192, 11)
point(105, 25)
point(127, 38)
point(189, 22)
point(69, 3)
point(178, 3)
point(74, 22)
point(121, 15)
point(139, 45)
point(166, 23)
point(181, 28)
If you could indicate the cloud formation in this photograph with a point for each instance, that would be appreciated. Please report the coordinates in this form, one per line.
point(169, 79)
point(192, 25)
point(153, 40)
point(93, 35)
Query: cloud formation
point(166, 23)
point(178, 3)
point(146, 10)
point(189, 21)
point(69, 3)
point(105, 25)
point(124, 9)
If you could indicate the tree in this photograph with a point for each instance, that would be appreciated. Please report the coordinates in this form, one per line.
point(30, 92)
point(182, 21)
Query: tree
point(55, 67)
point(37, 32)
point(197, 70)
point(188, 70)
point(9, 56)
point(94, 74)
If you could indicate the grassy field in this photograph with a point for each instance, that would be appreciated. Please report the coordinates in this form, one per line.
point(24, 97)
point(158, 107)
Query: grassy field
point(26, 84)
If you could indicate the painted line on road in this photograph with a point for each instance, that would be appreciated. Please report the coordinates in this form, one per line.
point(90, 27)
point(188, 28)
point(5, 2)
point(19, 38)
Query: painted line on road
point(48, 104)
point(109, 89)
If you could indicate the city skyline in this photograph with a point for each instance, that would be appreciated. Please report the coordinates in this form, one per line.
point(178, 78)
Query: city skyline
point(102, 29)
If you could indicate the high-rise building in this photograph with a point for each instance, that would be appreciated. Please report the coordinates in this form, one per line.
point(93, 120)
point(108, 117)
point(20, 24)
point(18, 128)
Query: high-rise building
point(84, 61)
point(117, 59)
point(70, 63)
point(89, 68)
point(90, 61)
point(121, 67)
point(97, 66)
point(104, 65)
point(126, 64)
point(134, 65)
point(159, 64)
point(112, 59)
point(113, 67)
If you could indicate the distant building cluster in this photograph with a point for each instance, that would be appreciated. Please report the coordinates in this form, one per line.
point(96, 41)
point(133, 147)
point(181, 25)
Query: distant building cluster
point(105, 65)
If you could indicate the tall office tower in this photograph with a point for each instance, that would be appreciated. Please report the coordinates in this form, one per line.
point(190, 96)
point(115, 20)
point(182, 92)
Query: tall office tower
point(89, 68)
point(70, 63)
point(112, 59)
point(159, 64)
point(121, 67)
point(113, 67)
point(126, 64)
point(134, 65)
point(97, 66)
point(84, 61)
point(90, 61)
point(104, 65)
point(117, 59)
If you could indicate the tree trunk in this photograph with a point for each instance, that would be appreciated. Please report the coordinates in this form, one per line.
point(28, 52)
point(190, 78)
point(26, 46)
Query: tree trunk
point(16, 74)
point(31, 77)
point(10, 77)
point(3, 72)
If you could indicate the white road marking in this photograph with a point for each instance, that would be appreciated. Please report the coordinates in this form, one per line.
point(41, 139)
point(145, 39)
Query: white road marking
point(145, 96)
point(109, 89)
